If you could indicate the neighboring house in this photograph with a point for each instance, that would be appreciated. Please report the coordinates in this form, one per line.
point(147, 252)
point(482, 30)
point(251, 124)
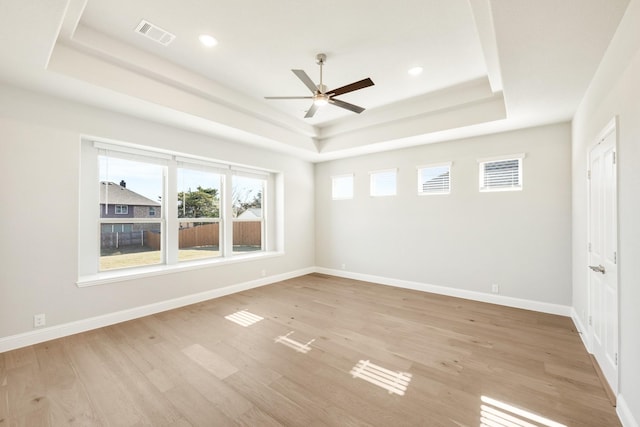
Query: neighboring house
point(251, 213)
point(117, 201)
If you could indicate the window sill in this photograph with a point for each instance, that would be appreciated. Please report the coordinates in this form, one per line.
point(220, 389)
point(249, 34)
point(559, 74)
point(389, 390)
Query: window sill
point(159, 270)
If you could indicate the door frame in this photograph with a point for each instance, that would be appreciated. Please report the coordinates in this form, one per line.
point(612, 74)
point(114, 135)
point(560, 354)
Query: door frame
point(610, 127)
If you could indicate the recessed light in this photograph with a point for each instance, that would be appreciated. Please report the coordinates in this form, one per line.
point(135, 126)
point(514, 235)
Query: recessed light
point(208, 40)
point(415, 71)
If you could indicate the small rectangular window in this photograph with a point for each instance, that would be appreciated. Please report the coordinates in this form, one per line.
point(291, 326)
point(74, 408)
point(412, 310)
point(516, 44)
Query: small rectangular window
point(342, 187)
point(501, 174)
point(122, 210)
point(152, 211)
point(434, 179)
point(383, 183)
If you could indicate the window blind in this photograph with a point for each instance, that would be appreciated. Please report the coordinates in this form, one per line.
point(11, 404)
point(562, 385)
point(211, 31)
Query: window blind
point(501, 174)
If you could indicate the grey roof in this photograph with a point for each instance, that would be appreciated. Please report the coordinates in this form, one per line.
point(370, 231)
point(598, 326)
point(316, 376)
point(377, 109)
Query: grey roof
point(251, 213)
point(114, 194)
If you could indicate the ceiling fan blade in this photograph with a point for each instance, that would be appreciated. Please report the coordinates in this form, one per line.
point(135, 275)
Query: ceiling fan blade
point(288, 97)
point(351, 87)
point(346, 105)
point(312, 110)
point(306, 80)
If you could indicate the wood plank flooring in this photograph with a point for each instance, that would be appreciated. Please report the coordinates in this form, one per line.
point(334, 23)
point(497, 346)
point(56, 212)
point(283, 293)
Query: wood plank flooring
point(328, 352)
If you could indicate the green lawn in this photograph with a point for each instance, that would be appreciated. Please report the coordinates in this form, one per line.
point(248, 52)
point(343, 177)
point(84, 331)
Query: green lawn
point(143, 258)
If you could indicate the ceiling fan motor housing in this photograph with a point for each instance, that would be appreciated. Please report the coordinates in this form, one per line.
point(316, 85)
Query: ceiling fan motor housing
point(321, 59)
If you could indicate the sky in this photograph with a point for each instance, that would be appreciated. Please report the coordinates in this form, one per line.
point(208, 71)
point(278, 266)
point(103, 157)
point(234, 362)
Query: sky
point(143, 178)
point(146, 178)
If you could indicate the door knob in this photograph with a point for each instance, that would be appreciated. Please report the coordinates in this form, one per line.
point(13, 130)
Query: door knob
point(597, 268)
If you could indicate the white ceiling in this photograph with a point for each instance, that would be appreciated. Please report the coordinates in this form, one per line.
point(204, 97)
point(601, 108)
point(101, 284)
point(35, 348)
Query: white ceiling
point(489, 65)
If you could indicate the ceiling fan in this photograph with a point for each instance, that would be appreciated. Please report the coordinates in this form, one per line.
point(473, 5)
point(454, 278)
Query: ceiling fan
point(321, 96)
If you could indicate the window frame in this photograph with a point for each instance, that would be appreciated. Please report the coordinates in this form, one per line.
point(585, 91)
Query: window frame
point(118, 209)
point(372, 184)
point(90, 222)
point(420, 188)
point(510, 157)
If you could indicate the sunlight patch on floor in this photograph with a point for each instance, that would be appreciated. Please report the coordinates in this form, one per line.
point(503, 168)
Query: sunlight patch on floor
point(392, 381)
point(244, 318)
point(494, 413)
point(291, 343)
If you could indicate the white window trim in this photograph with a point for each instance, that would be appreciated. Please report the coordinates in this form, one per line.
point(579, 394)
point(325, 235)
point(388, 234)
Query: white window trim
point(344, 175)
point(482, 161)
point(115, 276)
point(115, 210)
point(433, 165)
point(371, 175)
point(89, 240)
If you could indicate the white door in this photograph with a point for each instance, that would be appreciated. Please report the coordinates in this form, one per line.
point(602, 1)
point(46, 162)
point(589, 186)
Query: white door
point(603, 254)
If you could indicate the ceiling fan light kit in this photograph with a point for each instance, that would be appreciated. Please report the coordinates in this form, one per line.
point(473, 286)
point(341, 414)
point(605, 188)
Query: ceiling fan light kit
point(321, 96)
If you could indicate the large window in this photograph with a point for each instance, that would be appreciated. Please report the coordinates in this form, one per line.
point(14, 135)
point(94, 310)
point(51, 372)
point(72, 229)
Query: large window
point(501, 173)
point(162, 210)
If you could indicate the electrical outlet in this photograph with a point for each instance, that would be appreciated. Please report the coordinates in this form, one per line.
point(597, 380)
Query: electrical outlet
point(39, 320)
point(344, 266)
point(495, 288)
point(263, 273)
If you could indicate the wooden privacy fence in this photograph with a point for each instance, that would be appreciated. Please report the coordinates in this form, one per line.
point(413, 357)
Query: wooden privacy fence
point(247, 233)
point(120, 239)
point(153, 240)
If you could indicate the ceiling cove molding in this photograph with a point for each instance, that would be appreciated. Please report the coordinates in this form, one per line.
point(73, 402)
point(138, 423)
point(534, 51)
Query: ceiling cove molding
point(489, 109)
point(92, 69)
point(451, 97)
point(483, 16)
point(97, 44)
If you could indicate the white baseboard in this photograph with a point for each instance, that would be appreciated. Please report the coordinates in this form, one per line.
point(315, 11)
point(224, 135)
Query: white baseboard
point(544, 307)
point(624, 413)
point(582, 331)
point(58, 331)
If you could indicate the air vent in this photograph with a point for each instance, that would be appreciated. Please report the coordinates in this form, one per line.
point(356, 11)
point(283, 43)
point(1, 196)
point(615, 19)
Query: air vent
point(155, 33)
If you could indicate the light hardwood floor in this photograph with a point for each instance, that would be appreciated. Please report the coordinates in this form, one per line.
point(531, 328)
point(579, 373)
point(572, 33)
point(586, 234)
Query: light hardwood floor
point(457, 362)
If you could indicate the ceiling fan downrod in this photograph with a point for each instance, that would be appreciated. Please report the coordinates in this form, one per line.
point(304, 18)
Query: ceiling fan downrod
point(321, 58)
point(321, 99)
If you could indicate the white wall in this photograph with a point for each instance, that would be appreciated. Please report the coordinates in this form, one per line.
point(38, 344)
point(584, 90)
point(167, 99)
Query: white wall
point(466, 240)
point(614, 91)
point(39, 172)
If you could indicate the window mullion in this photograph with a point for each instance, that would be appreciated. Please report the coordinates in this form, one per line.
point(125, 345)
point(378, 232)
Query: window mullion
point(170, 214)
point(226, 213)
